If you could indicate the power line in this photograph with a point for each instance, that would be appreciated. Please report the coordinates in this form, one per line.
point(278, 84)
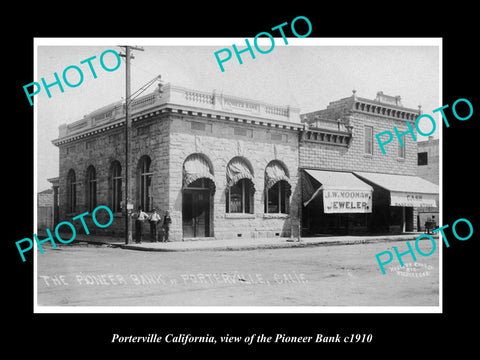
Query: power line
point(142, 69)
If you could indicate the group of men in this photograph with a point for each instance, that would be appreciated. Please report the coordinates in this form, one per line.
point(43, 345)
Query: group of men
point(154, 219)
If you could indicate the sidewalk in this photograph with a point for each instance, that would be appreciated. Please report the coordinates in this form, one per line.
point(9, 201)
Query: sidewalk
point(243, 243)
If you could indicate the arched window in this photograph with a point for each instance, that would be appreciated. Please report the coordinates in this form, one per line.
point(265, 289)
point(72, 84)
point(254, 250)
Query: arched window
point(198, 167)
point(240, 188)
point(277, 189)
point(145, 188)
point(91, 187)
point(71, 191)
point(116, 186)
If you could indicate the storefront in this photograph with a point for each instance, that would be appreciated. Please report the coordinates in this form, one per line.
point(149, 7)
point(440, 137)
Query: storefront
point(337, 202)
point(339, 140)
point(334, 202)
point(397, 199)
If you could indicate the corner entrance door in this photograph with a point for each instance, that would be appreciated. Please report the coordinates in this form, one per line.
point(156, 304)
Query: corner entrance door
point(196, 213)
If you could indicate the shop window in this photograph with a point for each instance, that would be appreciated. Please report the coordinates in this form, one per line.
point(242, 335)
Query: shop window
point(116, 186)
point(91, 187)
point(71, 192)
point(240, 187)
point(276, 200)
point(277, 188)
point(240, 197)
point(145, 177)
point(368, 140)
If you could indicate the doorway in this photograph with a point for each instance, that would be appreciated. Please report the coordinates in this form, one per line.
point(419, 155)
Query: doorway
point(196, 211)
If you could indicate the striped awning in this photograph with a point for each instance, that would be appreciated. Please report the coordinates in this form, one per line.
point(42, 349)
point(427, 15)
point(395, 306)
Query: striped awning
point(196, 167)
point(238, 169)
point(342, 192)
point(405, 190)
point(275, 173)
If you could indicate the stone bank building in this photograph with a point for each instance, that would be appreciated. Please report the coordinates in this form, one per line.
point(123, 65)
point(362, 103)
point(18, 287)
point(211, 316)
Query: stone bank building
point(230, 167)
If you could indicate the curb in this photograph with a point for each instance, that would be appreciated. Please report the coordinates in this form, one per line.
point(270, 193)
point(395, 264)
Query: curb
point(240, 247)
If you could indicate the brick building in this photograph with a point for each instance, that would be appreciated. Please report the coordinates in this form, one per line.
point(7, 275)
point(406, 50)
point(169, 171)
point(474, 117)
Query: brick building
point(229, 167)
point(223, 166)
point(428, 156)
point(339, 156)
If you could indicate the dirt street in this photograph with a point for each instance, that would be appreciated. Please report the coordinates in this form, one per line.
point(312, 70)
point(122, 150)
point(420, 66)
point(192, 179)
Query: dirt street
point(315, 276)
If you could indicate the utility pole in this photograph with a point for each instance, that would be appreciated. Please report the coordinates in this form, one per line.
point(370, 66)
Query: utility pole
point(128, 203)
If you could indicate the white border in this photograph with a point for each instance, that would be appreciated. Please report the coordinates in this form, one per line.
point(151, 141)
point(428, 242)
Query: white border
point(240, 309)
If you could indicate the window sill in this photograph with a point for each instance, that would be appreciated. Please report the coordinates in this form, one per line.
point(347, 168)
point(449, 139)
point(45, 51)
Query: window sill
point(239, 216)
point(276, 216)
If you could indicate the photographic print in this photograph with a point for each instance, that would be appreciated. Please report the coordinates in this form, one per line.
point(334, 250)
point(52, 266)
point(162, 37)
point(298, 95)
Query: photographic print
point(219, 175)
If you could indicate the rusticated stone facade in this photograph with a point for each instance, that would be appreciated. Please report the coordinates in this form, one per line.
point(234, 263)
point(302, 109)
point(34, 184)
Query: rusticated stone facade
point(167, 128)
point(219, 144)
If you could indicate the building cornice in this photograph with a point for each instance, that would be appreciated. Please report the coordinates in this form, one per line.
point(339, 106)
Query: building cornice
point(326, 136)
point(183, 101)
point(374, 107)
point(182, 110)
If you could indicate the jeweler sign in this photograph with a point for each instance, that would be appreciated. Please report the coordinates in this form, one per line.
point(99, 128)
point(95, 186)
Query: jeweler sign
point(416, 200)
point(347, 201)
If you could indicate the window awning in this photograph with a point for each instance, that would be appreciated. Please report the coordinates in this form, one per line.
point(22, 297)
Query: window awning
point(275, 173)
point(342, 192)
point(237, 169)
point(194, 168)
point(405, 190)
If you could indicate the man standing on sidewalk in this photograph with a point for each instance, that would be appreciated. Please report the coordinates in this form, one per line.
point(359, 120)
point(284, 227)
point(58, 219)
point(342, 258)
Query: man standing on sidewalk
point(154, 219)
point(140, 218)
point(166, 225)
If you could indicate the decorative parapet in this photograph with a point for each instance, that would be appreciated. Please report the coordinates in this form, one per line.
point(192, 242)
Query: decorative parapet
point(113, 115)
point(144, 102)
point(383, 106)
point(229, 104)
point(199, 97)
point(368, 106)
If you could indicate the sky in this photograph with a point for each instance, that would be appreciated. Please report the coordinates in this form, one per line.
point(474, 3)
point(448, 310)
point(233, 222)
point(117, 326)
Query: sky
point(308, 73)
